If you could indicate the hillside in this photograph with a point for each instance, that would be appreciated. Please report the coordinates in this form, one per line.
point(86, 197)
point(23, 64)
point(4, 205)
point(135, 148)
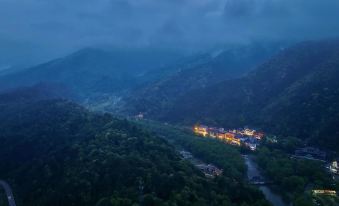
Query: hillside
point(295, 93)
point(93, 72)
point(203, 71)
point(54, 152)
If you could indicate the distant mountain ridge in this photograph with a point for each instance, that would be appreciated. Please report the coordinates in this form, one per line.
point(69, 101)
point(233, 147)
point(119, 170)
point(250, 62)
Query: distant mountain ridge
point(35, 93)
point(209, 69)
point(91, 71)
point(126, 81)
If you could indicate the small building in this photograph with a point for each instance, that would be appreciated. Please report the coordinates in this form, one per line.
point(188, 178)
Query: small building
point(311, 152)
point(249, 132)
point(230, 136)
point(139, 116)
point(272, 139)
point(235, 137)
point(252, 147)
point(201, 130)
point(324, 192)
point(259, 135)
point(186, 155)
point(210, 170)
point(213, 132)
point(334, 168)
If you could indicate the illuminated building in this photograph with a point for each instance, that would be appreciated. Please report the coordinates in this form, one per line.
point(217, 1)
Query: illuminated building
point(202, 130)
point(246, 136)
point(259, 135)
point(221, 135)
point(229, 136)
point(249, 132)
point(236, 141)
point(324, 192)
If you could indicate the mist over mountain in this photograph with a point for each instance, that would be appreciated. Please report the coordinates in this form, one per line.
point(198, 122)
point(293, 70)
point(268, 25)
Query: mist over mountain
point(205, 70)
point(169, 103)
point(91, 71)
point(36, 31)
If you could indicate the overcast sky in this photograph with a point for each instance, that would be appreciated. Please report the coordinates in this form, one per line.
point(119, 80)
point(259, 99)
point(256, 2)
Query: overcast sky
point(36, 30)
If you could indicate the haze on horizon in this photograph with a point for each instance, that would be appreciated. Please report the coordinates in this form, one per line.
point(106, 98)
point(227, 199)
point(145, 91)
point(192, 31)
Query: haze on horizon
point(32, 31)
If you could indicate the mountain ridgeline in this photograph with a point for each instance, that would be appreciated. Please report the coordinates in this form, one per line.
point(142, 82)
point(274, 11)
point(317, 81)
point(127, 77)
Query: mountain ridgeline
point(56, 152)
point(93, 72)
point(119, 80)
point(196, 73)
point(292, 92)
point(295, 93)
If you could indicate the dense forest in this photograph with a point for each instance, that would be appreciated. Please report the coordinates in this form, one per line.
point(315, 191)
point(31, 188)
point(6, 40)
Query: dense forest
point(3, 198)
point(295, 93)
point(196, 72)
point(55, 152)
point(291, 178)
point(294, 178)
point(215, 152)
point(94, 72)
point(169, 103)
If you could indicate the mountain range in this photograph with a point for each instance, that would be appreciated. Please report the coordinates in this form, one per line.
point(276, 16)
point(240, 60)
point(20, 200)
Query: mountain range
point(107, 79)
point(199, 72)
point(92, 71)
point(286, 91)
point(295, 93)
point(55, 151)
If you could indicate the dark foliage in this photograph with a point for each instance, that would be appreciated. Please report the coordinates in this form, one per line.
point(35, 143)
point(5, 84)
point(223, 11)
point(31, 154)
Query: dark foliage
point(92, 72)
point(54, 152)
point(224, 156)
point(292, 177)
point(155, 98)
point(294, 94)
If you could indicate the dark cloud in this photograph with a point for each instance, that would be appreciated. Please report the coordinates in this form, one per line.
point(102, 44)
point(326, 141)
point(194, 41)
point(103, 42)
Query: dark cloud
point(239, 8)
point(34, 30)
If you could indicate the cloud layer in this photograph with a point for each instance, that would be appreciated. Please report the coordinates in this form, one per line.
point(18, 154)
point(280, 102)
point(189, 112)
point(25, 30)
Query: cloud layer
point(31, 30)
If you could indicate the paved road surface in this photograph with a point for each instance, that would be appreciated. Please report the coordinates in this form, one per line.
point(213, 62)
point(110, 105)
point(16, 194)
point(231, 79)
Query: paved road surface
point(9, 193)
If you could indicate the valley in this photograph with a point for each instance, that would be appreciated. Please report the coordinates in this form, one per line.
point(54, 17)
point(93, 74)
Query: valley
point(159, 111)
point(169, 103)
point(70, 154)
point(268, 168)
point(254, 173)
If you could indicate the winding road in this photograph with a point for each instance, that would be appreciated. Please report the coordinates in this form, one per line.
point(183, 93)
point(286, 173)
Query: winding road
point(9, 193)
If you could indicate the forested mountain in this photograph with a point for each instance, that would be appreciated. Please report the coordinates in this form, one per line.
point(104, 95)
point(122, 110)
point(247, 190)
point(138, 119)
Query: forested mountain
point(202, 71)
point(54, 152)
point(295, 93)
point(100, 78)
point(92, 71)
point(41, 91)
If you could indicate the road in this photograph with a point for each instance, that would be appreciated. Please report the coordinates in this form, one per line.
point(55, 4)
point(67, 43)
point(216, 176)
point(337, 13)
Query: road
point(9, 193)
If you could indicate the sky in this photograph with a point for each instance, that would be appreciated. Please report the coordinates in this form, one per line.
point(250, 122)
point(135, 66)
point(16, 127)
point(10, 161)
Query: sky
point(32, 31)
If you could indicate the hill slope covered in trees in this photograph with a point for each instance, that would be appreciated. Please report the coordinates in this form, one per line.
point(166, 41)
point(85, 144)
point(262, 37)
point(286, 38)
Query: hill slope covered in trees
point(295, 93)
point(91, 71)
point(197, 73)
point(54, 152)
